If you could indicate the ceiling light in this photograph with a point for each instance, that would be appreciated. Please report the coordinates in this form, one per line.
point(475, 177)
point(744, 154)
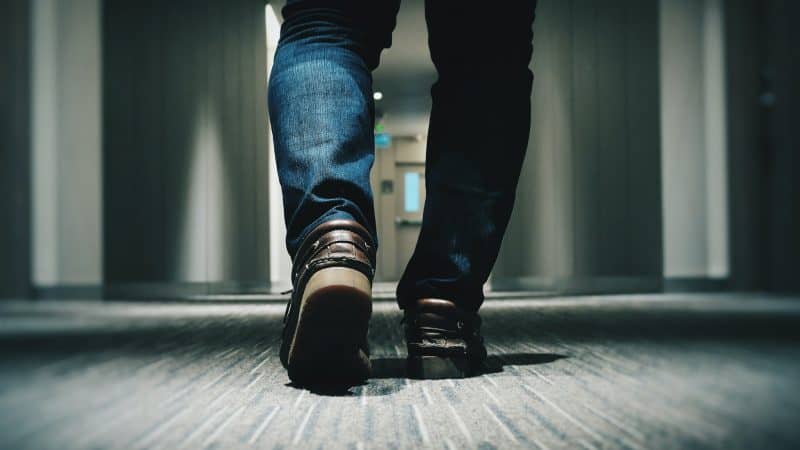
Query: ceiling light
point(377, 95)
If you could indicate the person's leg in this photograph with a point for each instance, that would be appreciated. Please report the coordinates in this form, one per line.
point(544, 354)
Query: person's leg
point(477, 139)
point(321, 107)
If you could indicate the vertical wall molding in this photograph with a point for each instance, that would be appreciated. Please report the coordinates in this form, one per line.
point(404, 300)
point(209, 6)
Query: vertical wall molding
point(693, 139)
point(66, 116)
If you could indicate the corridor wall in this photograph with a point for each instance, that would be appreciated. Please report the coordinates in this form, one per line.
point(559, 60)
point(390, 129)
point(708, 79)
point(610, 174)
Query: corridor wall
point(589, 215)
point(184, 146)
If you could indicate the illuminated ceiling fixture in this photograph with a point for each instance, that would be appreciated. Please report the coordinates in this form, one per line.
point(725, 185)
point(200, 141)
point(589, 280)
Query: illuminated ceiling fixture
point(377, 95)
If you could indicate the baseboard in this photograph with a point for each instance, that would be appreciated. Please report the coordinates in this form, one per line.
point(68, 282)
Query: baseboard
point(696, 284)
point(579, 285)
point(69, 292)
point(198, 291)
point(499, 288)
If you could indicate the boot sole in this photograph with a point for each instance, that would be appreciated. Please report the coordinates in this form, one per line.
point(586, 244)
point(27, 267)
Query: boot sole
point(331, 329)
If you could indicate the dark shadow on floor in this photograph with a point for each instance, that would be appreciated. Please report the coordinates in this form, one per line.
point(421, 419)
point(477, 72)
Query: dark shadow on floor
point(374, 387)
point(389, 375)
point(390, 368)
point(329, 389)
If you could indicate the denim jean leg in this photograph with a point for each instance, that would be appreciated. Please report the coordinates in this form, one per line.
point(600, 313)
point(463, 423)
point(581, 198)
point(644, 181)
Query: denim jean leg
point(322, 111)
point(477, 140)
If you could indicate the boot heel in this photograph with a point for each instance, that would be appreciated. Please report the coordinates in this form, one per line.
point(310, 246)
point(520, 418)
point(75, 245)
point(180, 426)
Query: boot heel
point(332, 324)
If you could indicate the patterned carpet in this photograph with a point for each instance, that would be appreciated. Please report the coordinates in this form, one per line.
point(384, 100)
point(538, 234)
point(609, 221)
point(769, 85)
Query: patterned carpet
point(656, 371)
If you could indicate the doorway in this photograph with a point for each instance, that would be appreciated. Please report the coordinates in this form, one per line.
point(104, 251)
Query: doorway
point(398, 184)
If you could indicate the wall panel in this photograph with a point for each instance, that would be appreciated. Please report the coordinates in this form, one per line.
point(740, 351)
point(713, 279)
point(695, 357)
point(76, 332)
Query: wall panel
point(14, 149)
point(783, 143)
point(588, 212)
point(747, 161)
point(184, 147)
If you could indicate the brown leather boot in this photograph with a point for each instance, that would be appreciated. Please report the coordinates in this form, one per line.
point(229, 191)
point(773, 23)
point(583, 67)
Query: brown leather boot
point(326, 321)
point(443, 340)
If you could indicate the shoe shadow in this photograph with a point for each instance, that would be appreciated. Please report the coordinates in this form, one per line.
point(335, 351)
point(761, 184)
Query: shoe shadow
point(395, 368)
point(496, 363)
point(390, 375)
point(329, 389)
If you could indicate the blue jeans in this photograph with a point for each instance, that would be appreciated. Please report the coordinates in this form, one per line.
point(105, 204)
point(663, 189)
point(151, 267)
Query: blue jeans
point(322, 113)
